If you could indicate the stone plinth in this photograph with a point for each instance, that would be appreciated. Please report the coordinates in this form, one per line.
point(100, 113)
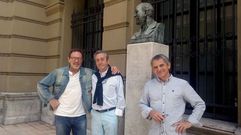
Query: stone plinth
point(21, 107)
point(47, 114)
point(138, 72)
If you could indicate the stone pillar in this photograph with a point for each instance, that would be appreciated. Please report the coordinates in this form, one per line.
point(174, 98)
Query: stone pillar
point(239, 59)
point(138, 72)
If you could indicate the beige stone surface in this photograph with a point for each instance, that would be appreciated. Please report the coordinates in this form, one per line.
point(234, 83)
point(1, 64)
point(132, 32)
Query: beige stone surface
point(114, 39)
point(138, 72)
point(29, 11)
point(52, 64)
point(6, 9)
point(54, 30)
point(55, 16)
point(29, 29)
point(3, 82)
point(4, 64)
point(27, 65)
point(53, 47)
point(39, 48)
point(116, 13)
point(5, 27)
point(119, 60)
point(5, 45)
point(42, 2)
point(22, 83)
point(24, 57)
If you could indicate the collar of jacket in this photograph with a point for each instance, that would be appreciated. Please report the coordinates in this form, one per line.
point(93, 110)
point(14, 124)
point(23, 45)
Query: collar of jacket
point(81, 73)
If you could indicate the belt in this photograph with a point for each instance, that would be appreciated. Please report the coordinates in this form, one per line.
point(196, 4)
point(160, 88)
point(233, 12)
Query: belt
point(106, 110)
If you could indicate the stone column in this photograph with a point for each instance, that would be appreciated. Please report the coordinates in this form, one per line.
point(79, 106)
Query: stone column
point(239, 63)
point(138, 72)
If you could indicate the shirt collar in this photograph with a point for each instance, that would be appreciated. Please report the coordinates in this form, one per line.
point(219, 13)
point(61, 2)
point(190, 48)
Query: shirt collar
point(169, 78)
point(103, 73)
point(71, 73)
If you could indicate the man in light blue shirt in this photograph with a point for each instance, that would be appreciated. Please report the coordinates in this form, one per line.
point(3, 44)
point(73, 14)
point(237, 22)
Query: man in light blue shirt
point(164, 100)
point(108, 97)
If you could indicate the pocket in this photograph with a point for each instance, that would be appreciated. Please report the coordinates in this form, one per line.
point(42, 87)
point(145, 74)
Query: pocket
point(110, 89)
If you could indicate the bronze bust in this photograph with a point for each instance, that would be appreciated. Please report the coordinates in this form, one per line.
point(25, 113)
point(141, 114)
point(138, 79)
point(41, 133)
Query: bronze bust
point(150, 31)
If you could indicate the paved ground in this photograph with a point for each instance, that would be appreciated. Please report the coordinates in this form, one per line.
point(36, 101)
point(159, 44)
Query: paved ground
point(30, 128)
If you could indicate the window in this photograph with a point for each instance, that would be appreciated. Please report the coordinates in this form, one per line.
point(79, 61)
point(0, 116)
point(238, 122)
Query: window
point(203, 49)
point(87, 29)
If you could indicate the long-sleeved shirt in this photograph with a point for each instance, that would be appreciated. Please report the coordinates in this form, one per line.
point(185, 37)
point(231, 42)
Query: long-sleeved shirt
point(169, 98)
point(113, 93)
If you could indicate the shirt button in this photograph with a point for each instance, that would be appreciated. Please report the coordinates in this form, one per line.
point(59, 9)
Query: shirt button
point(163, 103)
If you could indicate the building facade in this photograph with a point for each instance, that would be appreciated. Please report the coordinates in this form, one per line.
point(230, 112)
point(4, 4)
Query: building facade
point(204, 38)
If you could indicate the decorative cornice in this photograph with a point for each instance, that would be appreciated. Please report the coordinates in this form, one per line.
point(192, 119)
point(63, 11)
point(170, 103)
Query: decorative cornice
point(29, 20)
point(31, 38)
point(5, 17)
point(53, 39)
point(27, 2)
point(6, 0)
point(115, 52)
point(112, 2)
point(116, 26)
point(54, 8)
point(22, 74)
point(28, 56)
point(54, 21)
point(19, 18)
point(31, 3)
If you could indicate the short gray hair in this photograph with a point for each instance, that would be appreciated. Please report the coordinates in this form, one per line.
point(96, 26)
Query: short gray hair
point(103, 52)
point(148, 8)
point(161, 56)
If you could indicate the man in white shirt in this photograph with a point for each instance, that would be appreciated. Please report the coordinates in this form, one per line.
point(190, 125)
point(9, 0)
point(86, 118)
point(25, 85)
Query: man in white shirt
point(164, 100)
point(108, 97)
point(71, 97)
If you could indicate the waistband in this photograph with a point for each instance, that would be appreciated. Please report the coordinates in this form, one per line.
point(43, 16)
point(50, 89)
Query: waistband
point(105, 110)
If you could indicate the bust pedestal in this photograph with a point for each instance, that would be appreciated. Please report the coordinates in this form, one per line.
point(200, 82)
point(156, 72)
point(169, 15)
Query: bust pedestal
point(138, 72)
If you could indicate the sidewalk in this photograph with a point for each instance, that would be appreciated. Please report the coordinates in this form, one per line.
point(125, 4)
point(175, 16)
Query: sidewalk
point(30, 128)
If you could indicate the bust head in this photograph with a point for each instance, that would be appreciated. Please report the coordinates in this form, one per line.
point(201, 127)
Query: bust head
point(143, 12)
point(150, 30)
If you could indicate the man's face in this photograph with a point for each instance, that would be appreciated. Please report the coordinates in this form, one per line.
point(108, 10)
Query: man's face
point(75, 60)
point(160, 69)
point(140, 15)
point(101, 62)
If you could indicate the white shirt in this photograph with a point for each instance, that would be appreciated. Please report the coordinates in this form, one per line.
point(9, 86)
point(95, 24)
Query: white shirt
point(71, 99)
point(169, 98)
point(113, 93)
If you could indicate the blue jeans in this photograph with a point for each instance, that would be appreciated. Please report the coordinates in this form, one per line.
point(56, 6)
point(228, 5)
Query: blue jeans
point(64, 125)
point(105, 123)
